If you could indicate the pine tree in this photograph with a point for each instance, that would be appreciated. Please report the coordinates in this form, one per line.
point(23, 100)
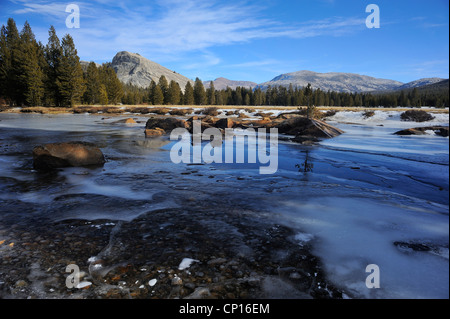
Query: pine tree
point(164, 86)
point(282, 96)
point(358, 100)
point(273, 96)
point(53, 54)
point(238, 96)
point(69, 77)
point(415, 98)
point(199, 92)
point(11, 60)
point(103, 95)
point(308, 93)
point(219, 98)
point(31, 75)
point(92, 79)
point(402, 99)
point(211, 94)
point(21, 65)
point(114, 87)
point(257, 97)
point(188, 94)
point(247, 99)
point(5, 63)
point(150, 90)
point(158, 96)
point(173, 93)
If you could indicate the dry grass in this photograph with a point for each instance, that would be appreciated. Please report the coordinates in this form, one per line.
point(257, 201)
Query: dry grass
point(45, 110)
point(287, 108)
point(116, 109)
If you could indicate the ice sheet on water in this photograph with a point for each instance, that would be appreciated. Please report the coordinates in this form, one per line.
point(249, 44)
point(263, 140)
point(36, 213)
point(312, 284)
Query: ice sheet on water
point(381, 140)
point(386, 118)
point(86, 184)
point(356, 232)
point(303, 237)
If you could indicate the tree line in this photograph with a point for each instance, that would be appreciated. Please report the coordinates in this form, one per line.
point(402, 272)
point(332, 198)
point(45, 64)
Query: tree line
point(33, 74)
point(171, 94)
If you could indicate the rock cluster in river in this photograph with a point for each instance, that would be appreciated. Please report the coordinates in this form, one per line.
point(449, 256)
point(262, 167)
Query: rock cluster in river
point(303, 128)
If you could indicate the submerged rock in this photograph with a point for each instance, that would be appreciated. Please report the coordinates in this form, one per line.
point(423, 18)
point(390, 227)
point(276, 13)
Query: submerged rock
point(70, 154)
point(130, 121)
point(124, 121)
point(412, 246)
point(181, 112)
point(154, 132)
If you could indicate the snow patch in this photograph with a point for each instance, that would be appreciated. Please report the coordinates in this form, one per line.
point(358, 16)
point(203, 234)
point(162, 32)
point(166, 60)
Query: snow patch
point(386, 118)
point(92, 259)
point(303, 237)
point(186, 263)
point(84, 284)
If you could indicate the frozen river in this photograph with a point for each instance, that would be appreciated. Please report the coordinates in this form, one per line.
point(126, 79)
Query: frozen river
point(366, 197)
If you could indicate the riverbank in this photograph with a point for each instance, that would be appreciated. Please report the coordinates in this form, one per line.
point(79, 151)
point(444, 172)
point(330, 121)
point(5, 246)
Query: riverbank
point(136, 109)
point(191, 252)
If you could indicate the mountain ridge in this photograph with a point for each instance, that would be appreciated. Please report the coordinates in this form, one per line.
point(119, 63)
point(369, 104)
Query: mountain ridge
point(139, 71)
point(420, 82)
point(333, 81)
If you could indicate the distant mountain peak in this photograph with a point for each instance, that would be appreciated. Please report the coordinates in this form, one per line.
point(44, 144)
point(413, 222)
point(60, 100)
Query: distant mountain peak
point(135, 69)
point(333, 81)
point(419, 83)
point(222, 83)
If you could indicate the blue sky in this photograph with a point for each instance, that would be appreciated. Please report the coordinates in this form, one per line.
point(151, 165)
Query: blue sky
point(254, 40)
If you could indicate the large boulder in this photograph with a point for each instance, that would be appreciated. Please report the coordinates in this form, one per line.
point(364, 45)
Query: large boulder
point(302, 126)
point(287, 116)
point(416, 116)
point(181, 112)
point(70, 154)
point(206, 122)
point(438, 130)
point(167, 124)
point(224, 123)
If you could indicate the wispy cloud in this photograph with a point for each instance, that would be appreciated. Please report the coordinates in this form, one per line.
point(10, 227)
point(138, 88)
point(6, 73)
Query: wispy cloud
point(173, 26)
point(39, 7)
point(204, 60)
point(435, 25)
point(253, 64)
point(420, 18)
point(424, 22)
point(430, 68)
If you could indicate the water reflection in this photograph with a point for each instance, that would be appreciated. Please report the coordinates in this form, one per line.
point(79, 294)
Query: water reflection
point(307, 166)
